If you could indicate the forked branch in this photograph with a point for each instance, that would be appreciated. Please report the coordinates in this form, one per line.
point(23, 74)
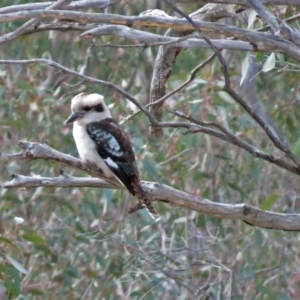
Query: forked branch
point(155, 191)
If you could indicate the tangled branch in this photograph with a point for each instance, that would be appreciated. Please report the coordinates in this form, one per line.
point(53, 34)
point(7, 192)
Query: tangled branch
point(155, 191)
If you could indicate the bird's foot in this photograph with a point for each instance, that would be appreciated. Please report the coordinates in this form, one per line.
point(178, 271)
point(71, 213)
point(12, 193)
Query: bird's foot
point(135, 208)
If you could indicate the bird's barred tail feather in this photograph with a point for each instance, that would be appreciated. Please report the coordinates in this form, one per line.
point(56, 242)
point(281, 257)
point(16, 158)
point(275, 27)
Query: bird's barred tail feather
point(144, 201)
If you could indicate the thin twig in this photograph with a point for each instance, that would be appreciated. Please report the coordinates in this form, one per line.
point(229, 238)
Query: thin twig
point(83, 4)
point(227, 88)
point(183, 85)
point(145, 45)
point(230, 138)
point(265, 14)
point(18, 32)
point(288, 20)
point(85, 78)
point(153, 121)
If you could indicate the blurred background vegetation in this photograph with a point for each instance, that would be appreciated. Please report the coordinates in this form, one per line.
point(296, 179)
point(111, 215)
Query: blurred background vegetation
point(80, 244)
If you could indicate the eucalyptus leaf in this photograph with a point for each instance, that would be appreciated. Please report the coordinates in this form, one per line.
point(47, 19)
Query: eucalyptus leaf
point(269, 64)
point(17, 265)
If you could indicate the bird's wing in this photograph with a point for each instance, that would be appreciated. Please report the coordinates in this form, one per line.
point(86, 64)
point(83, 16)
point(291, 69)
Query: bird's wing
point(114, 147)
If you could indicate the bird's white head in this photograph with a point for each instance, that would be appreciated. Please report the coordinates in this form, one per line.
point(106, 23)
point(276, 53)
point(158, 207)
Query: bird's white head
point(87, 108)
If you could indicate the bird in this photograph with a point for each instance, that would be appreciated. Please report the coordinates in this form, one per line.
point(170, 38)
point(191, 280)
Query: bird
point(102, 142)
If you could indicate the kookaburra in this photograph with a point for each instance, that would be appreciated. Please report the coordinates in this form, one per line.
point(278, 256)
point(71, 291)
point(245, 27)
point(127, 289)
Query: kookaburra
point(101, 141)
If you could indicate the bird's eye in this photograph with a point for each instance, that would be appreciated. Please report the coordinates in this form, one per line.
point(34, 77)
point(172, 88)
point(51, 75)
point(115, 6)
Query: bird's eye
point(87, 108)
point(99, 108)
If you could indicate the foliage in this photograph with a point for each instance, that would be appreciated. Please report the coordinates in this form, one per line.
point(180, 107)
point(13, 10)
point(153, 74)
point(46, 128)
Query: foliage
point(80, 243)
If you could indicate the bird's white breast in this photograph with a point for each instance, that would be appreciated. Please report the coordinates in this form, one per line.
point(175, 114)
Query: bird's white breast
point(87, 149)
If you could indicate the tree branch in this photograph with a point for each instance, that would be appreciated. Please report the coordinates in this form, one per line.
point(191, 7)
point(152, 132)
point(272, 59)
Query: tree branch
point(268, 157)
point(166, 57)
point(232, 139)
point(243, 3)
point(257, 39)
point(72, 6)
point(155, 191)
point(42, 151)
point(265, 14)
point(150, 39)
point(180, 87)
point(228, 88)
point(248, 90)
point(31, 23)
point(85, 78)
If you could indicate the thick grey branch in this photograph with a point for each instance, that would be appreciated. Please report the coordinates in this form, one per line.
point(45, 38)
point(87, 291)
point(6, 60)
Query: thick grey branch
point(64, 27)
point(132, 21)
point(166, 57)
point(75, 5)
point(155, 191)
point(151, 38)
point(33, 22)
point(64, 180)
point(265, 14)
point(42, 151)
point(258, 39)
point(289, 33)
point(244, 3)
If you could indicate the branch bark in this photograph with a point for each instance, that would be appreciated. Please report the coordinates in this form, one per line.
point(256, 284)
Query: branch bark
point(265, 14)
point(244, 3)
point(31, 23)
point(260, 41)
point(155, 191)
point(72, 6)
point(249, 93)
point(150, 39)
point(166, 58)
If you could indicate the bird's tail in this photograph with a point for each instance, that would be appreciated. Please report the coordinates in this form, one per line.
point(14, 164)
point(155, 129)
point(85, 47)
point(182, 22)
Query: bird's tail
point(144, 202)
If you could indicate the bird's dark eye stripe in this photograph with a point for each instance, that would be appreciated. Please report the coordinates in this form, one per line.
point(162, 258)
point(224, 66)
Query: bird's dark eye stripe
point(87, 108)
point(99, 107)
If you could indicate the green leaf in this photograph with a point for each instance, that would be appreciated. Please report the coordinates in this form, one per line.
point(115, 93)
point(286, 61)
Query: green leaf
point(269, 201)
point(269, 63)
point(28, 230)
point(245, 66)
point(4, 270)
point(260, 56)
point(251, 19)
point(181, 220)
point(202, 175)
point(24, 297)
point(17, 265)
point(220, 156)
point(150, 166)
point(15, 288)
point(296, 148)
point(258, 237)
point(226, 97)
point(237, 188)
point(8, 241)
point(280, 57)
point(282, 297)
point(34, 238)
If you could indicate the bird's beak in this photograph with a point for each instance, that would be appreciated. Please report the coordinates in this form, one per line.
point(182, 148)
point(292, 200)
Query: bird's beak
point(72, 118)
